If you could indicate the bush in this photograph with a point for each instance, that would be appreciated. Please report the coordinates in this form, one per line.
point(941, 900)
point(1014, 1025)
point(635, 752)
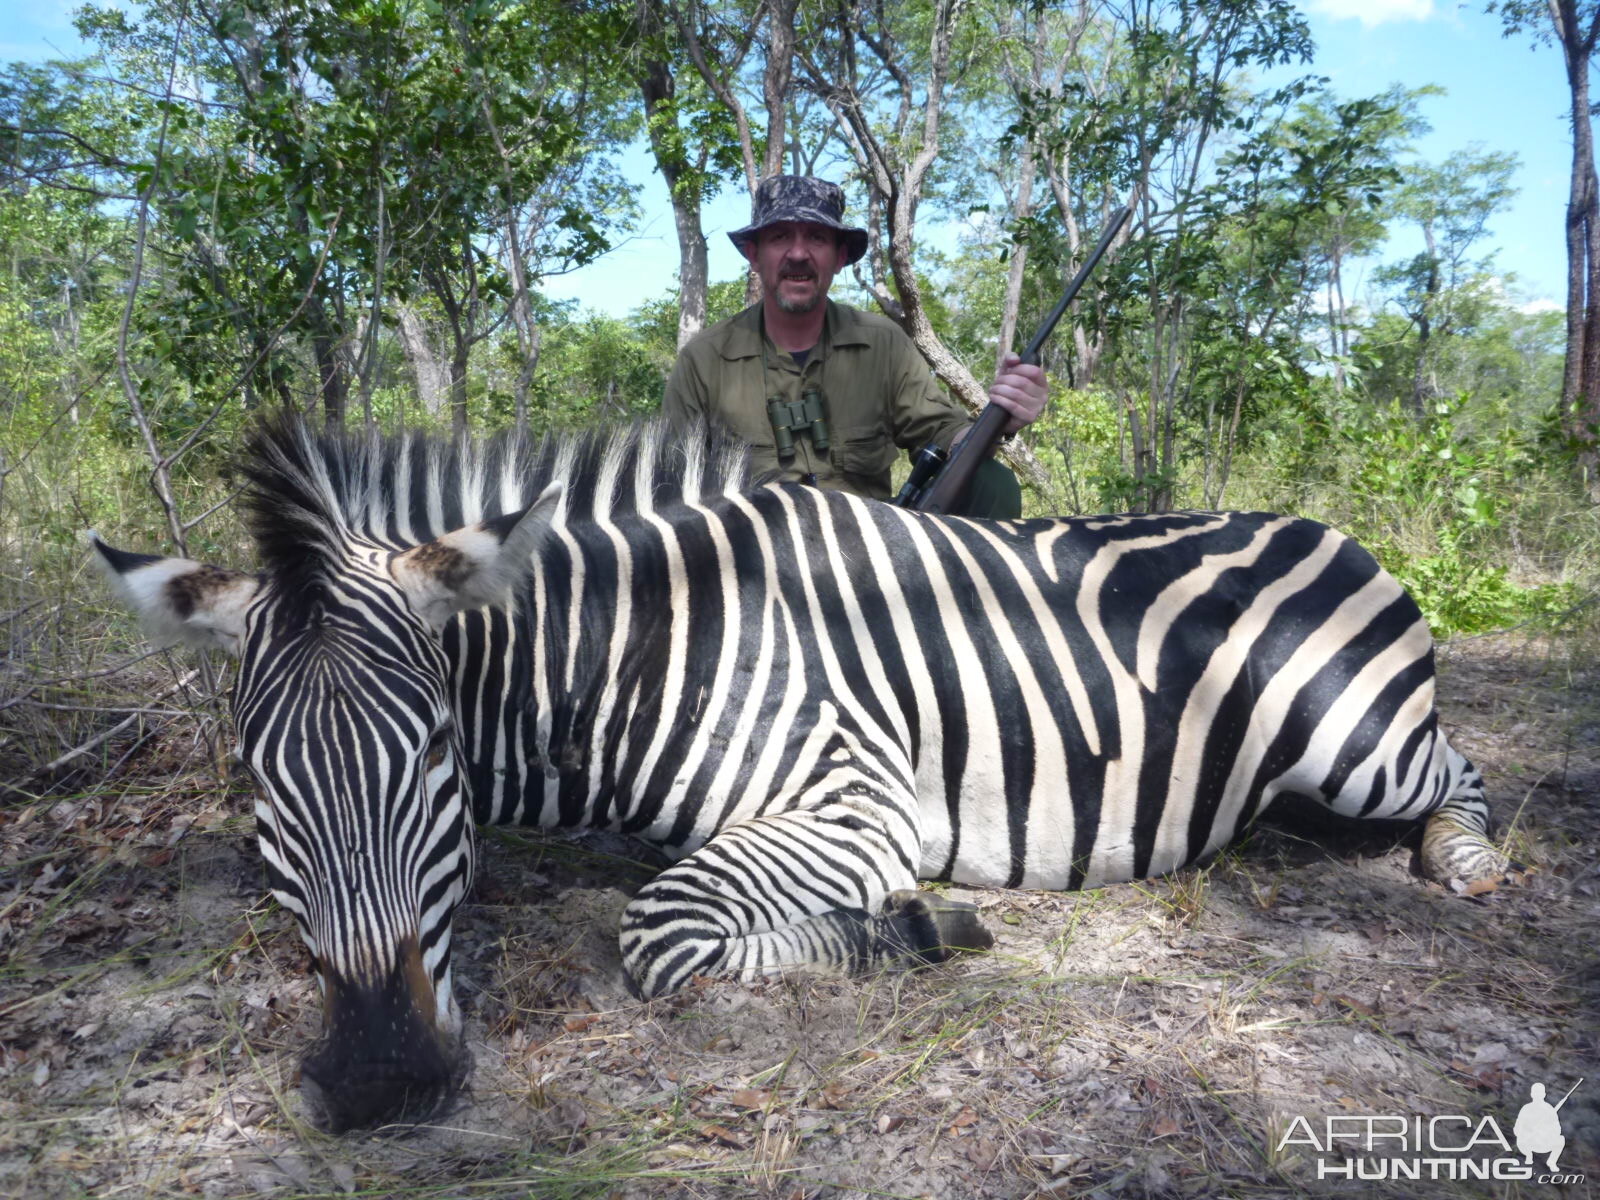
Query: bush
point(1444, 512)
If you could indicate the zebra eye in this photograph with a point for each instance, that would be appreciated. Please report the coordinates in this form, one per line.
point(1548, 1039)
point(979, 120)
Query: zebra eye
point(438, 746)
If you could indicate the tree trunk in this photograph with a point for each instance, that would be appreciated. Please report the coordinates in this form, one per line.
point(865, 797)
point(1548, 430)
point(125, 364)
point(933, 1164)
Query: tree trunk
point(371, 321)
point(1021, 210)
point(330, 371)
point(913, 318)
point(522, 319)
point(693, 271)
point(525, 374)
point(458, 312)
point(1418, 375)
point(1420, 390)
point(1580, 380)
point(894, 188)
point(432, 382)
point(458, 389)
point(331, 384)
point(777, 79)
point(521, 311)
point(1338, 335)
point(658, 87)
point(730, 59)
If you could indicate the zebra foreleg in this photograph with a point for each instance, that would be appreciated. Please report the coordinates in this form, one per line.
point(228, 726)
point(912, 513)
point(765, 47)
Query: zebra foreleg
point(826, 890)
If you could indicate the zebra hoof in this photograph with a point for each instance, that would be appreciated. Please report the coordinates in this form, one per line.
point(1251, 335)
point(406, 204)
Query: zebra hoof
point(931, 928)
point(1463, 859)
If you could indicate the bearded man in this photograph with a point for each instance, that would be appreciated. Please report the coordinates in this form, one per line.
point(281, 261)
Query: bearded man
point(828, 394)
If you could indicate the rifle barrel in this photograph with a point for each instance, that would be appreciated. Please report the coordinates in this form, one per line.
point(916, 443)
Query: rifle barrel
point(1113, 227)
point(950, 488)
point(1568, 1096)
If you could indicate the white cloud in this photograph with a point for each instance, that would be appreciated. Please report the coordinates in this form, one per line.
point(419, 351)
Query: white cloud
point(1373, 12)
point(1542, 305)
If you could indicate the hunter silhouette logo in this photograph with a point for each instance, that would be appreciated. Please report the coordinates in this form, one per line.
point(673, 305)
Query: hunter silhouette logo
point(1450, 1146)
point(1538, 1129)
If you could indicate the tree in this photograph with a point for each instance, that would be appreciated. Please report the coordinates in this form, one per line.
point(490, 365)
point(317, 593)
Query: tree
point(1388, 123)
point(1254, 267)
point(1174, 100)
point(1058, 67)
point(66, 143)
point(1451, 204)
point(736, 27)
point(329, 169)
point(1575, 28)
point(689, 130)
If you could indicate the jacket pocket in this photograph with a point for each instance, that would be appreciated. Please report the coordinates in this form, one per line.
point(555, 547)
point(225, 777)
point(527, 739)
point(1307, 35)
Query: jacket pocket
point(867, 457)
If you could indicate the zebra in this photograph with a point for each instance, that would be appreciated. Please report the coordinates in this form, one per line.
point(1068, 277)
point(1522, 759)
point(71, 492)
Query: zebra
point(807, 700)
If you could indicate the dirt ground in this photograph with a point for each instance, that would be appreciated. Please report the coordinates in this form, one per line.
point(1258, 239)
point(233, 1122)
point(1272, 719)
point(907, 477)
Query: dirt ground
point(1175, 1038)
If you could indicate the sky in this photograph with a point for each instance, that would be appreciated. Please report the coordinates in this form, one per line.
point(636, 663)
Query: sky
point(1501, 94)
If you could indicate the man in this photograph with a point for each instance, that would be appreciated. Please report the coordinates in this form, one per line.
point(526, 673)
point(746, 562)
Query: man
point(823, 391)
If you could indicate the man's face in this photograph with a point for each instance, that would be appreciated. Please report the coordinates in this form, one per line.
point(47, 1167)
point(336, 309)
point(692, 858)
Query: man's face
point(796, 262)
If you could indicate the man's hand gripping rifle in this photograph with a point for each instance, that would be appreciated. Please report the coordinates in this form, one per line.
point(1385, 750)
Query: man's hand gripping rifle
point(939, 481)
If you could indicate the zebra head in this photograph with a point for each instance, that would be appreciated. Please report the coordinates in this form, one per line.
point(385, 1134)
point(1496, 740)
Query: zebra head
point(344, 720)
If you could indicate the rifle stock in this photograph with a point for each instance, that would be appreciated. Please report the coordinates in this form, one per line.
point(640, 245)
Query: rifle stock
point(949, 489)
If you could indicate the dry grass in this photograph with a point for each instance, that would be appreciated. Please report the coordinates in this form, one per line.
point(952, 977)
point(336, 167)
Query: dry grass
point(1152, 1039)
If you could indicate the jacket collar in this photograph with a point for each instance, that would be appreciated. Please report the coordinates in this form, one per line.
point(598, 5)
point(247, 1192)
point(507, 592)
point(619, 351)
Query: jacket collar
point(841, 326)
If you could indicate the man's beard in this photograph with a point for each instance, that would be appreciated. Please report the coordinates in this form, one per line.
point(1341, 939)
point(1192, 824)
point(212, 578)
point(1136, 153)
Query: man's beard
point(797, 306)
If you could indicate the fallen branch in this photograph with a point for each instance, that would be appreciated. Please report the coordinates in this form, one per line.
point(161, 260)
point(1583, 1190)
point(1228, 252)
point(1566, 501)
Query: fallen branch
point(56, 764)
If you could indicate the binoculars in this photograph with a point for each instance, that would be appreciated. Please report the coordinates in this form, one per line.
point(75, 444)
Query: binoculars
point(790, 417)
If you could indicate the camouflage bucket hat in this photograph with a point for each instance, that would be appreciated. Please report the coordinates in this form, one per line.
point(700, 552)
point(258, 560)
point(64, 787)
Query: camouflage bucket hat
point(801, 198)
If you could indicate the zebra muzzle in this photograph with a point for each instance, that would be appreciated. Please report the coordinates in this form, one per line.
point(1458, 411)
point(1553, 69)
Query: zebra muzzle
point(382, 1058)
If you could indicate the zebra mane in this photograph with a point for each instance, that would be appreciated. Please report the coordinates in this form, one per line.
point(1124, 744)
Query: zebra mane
point(311, 491)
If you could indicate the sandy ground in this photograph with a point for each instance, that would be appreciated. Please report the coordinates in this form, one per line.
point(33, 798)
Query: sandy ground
point(1157, 1039)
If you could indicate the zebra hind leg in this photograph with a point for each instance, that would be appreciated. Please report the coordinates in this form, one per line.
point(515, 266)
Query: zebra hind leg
point(828, 890)
point(1456, 848)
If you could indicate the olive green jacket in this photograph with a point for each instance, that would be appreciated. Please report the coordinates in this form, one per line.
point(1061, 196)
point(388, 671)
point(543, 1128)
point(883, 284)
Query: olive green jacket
point(877, 389)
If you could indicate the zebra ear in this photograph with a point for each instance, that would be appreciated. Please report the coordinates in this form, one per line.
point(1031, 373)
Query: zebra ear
point(474, 565)
point(178, 599)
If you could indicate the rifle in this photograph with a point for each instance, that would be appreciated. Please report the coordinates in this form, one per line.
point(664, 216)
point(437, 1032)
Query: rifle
point(939, 480)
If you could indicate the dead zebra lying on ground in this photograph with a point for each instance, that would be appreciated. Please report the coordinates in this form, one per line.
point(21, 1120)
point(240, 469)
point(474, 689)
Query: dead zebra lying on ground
point(810, 700)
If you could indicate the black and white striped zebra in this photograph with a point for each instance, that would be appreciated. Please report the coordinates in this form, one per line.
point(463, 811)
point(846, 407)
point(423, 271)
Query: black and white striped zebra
point(811, 700)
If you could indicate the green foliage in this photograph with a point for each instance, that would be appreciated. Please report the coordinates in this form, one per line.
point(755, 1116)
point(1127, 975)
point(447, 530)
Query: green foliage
point(1493, 353)
point(1460, 595)
point(1432, 503)
point(316, 165)
point(598, 369)
point(724, 299)
point(1076, 440)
